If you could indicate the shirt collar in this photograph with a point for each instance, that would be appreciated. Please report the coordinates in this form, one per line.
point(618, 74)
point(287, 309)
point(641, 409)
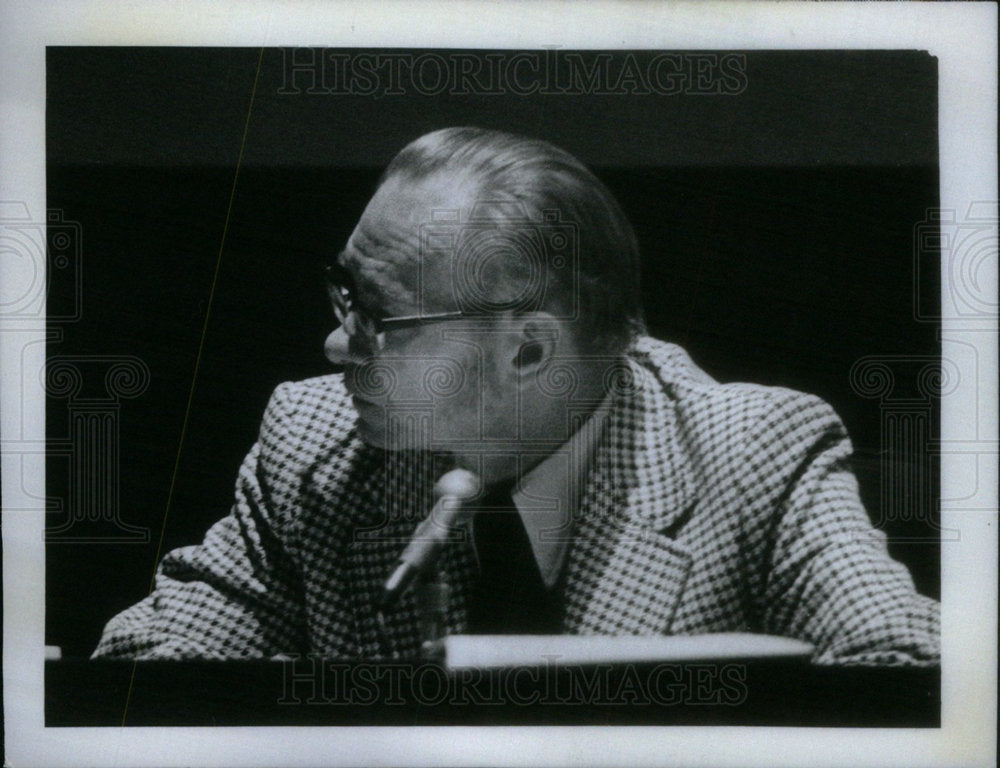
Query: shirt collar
point(547, 496)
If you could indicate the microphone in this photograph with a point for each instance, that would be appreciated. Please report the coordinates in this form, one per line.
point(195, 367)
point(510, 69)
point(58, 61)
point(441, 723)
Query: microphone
point(452, 491)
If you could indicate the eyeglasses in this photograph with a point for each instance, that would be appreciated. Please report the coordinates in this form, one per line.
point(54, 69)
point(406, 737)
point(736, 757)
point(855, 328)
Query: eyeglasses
point(357, 322)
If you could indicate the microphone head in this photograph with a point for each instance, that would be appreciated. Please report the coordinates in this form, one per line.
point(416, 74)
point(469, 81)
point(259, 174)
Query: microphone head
point(458, 483)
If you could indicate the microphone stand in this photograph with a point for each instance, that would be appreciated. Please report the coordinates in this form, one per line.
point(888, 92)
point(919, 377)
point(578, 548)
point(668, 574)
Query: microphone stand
point(417, 565)
point(432, 611)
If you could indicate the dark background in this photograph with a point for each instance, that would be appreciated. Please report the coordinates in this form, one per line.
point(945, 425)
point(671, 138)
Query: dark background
point(776, 227)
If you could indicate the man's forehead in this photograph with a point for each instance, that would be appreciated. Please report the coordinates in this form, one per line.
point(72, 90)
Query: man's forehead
point(384, 250)
point(383, 280)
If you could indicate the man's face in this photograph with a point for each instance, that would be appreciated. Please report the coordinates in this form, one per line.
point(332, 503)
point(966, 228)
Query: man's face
point(436, 385)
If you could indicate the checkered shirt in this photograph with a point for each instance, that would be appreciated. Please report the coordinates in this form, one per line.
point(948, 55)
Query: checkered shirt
point(708, 508)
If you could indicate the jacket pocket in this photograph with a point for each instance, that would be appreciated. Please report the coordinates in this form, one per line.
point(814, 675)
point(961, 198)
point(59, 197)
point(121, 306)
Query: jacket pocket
point(631, 585)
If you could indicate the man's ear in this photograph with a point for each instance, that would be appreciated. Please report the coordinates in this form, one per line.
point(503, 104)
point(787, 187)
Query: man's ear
point(537, 342)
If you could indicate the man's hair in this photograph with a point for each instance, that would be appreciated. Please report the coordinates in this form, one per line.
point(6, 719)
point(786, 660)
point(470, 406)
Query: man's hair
point(602, 293)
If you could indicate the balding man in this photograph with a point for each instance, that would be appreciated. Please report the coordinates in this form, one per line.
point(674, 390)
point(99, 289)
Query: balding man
point(490, 320)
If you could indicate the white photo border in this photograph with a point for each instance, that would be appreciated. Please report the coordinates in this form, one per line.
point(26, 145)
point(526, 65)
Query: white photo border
point(963, 38)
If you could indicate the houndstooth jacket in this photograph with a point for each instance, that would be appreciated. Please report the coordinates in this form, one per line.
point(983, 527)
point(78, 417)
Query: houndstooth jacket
point(707, 508)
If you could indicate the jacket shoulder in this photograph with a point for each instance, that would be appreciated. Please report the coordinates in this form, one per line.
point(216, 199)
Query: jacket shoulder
point(731, 420)
point(303, 419)
point(691, 388)
point(305, 401)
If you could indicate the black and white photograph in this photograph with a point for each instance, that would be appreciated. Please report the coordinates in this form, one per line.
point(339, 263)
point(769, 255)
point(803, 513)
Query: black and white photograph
point(415, 371)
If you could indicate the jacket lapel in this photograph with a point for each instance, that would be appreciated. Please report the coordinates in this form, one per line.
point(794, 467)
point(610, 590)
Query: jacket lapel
point(626, 572)
point(396, 496)
point(399, 496)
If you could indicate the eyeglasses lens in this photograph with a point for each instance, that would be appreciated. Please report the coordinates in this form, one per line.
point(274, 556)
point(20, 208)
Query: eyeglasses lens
point(354, 321)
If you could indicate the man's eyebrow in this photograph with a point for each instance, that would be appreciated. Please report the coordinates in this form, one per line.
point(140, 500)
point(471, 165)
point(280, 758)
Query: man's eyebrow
point(368, 301)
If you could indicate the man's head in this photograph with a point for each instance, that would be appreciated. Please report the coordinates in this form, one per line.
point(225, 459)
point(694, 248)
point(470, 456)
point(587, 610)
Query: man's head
point(534, 192)
point(523, 248)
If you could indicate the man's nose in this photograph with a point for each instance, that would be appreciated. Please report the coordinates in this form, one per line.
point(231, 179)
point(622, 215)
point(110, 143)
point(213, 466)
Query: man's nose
point(337, 347)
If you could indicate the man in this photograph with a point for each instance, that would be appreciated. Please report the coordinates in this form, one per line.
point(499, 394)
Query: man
point(490, 320)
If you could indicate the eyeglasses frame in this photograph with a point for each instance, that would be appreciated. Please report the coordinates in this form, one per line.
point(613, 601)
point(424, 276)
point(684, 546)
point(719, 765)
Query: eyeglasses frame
point(340, 288)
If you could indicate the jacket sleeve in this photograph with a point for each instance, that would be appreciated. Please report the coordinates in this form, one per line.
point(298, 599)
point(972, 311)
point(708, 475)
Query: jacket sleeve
point(830, 579)
point(237, 594)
